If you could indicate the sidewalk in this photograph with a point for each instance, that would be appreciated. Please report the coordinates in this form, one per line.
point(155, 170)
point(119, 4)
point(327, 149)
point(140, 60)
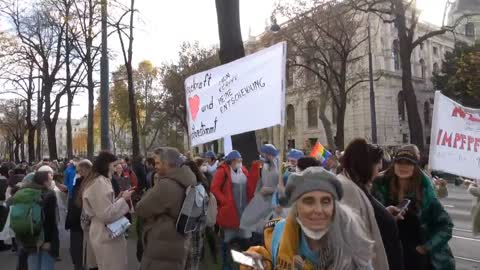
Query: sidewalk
point(8, 259)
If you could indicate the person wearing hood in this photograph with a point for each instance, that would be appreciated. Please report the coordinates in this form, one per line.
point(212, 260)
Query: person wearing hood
point(212, 162)
point(230, 185)
point(319, 232)
point(292, 161)
point(163, 246)
point(70, 175)
point(264, 181)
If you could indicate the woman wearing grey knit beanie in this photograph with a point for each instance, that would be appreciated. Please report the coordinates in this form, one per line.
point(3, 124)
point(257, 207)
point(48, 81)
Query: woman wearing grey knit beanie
point(319, 232)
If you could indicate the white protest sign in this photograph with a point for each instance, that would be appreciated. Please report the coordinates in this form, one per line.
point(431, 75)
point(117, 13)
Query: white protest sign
point(241, 96)
point(455, 138)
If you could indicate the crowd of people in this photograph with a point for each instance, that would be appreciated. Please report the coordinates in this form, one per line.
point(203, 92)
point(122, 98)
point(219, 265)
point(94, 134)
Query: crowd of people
point(360, 209)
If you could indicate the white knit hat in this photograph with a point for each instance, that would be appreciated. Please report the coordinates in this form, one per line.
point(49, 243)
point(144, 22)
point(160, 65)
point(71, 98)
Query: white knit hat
point(45, 168)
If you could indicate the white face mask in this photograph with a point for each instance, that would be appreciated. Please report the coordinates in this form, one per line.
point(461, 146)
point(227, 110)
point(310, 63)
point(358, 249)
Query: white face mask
point(311, 234)
point(298, 170)
point(204, 168)
point(238, 165)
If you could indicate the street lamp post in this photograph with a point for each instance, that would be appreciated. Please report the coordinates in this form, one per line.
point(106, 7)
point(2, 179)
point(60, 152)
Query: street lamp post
point(373, 114)
point(104, 83)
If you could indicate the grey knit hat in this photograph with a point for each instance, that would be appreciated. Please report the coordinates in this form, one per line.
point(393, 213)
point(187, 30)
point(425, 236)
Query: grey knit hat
point(311, 179)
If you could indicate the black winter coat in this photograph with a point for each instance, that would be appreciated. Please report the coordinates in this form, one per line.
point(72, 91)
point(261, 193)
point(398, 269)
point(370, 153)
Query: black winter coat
point(390, 235)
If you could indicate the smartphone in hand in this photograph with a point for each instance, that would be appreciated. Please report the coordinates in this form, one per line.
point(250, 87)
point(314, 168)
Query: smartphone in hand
point(403, 206)
point(246, 260)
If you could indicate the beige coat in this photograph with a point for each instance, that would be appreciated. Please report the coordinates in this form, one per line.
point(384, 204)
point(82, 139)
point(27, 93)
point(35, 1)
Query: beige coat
point(99, 204)
point(164, 247)
point(355, 198)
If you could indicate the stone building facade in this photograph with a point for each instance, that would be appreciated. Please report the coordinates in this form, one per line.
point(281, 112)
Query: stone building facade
point(304, 127)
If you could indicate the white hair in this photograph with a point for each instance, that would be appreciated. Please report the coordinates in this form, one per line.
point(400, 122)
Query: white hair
point(353, 249)
point(45, 168)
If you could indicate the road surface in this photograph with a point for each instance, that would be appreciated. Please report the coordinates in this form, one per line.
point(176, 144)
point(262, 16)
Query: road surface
point(465, 246)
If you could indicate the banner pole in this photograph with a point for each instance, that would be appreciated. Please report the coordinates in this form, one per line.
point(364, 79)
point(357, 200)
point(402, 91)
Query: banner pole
point(281, 157)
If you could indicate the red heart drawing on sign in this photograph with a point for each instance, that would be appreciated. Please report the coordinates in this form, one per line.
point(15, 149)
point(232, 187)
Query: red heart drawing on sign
point(194, 103)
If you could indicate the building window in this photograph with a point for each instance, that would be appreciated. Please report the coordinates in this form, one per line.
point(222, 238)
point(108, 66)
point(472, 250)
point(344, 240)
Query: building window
point(312, 141)
point(423, 68)
point(309, 75)
point(290, 116)
point(312, 114)
point(428, 140)
point(436, 69)
point(426, 113)
point(291, 144)
point(396, 54)
point(470, 29)
point(435, 50)
point(401, 106)
point(404, 138)
point(421, 46)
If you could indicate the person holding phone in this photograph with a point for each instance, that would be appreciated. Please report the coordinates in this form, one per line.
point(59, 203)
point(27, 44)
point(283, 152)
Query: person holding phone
point(319, 232)
point(424, 225)
point(101, 207)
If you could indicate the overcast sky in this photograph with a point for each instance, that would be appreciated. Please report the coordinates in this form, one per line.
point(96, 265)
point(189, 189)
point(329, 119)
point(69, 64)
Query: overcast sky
point(165, 25)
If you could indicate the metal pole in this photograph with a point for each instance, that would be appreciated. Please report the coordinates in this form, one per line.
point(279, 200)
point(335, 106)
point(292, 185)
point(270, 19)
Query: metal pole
point(373, 114)
point(104, 83)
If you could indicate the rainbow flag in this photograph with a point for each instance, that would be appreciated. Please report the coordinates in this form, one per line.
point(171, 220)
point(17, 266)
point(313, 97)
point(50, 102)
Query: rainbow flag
point(320, 153)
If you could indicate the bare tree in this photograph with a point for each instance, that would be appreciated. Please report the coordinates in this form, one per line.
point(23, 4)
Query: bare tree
point(325, 42)
point(405, 16)
point(127, 52)
point(13, 123)
point(88, 16)
point(41, 30)
point(21, 78)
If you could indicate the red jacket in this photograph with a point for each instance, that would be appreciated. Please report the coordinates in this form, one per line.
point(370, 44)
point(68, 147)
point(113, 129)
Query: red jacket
point(254, 176)
point(221, 188)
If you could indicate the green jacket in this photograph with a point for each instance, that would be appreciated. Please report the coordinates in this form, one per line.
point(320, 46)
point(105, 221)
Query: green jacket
point(436, 224)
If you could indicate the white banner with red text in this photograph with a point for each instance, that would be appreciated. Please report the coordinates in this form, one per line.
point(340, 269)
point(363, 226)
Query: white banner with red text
point(244, 95)
point(455, 138)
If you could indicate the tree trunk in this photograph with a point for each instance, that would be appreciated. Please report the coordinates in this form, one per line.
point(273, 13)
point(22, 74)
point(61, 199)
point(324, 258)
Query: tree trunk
point(414, 120)
point(31, 144)
point(22, 149)
point(15, 151)
point(340, 136)
point(132, 104)
point(69, 126)
point(90, 132)
point(39, 122)
point(104, 80)
point(327, 125)
point(51, 139)
point(231, 48)
point(69, 91)
point(30, 126)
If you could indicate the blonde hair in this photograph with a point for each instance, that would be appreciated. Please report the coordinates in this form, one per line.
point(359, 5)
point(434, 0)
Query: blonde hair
point(86, 165)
